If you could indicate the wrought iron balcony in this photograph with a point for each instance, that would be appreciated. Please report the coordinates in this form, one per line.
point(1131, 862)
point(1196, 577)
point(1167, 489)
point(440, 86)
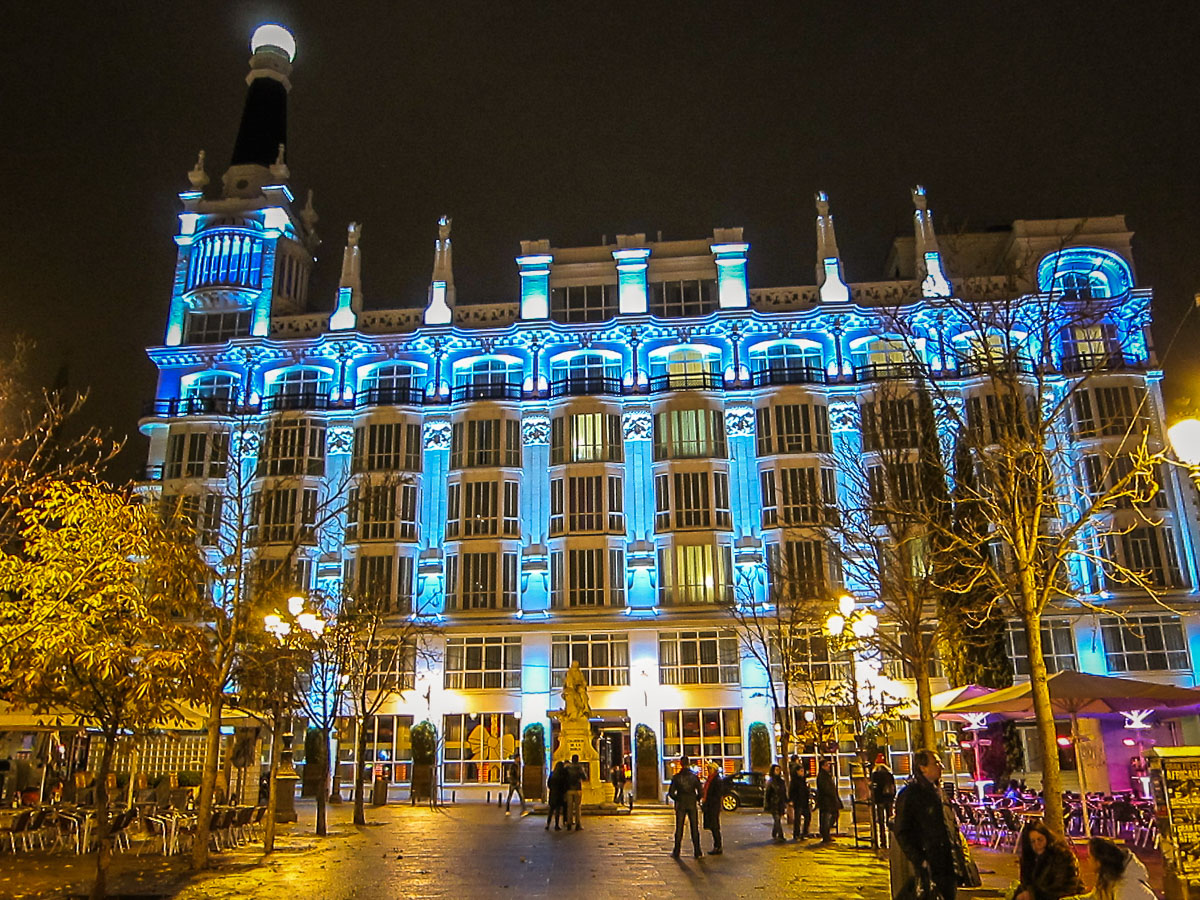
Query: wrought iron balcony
point(390, 396)
point(585, 386)
point(1078, 363)
point(306, 400)
point(969, 366)
point(882, 371)
point(789, 375)
point(190, 406)
point(687, 381)
point(499, 390)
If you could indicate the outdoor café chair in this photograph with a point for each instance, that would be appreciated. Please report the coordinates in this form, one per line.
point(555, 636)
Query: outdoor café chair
point(17, 827)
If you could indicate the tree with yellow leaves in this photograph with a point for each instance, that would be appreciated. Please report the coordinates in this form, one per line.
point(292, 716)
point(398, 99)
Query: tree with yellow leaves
point(116, 599)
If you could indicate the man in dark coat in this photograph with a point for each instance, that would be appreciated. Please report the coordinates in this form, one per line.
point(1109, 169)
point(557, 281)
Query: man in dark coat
point(514, 783)
point(926, 829)
point(883, 797)
point(714, 793)
point(556, 794)
point(800, 798)
point(575, 779)
point(684, 792)
point(828, 801)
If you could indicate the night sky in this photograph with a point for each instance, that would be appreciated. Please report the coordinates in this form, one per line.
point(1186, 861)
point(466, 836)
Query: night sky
point(570, 121)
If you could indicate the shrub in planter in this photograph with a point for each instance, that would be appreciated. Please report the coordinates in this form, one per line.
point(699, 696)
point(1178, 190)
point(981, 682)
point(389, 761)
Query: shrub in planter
point(647, 777)
point(533, 757)
point(424, 739)
point(760, 747)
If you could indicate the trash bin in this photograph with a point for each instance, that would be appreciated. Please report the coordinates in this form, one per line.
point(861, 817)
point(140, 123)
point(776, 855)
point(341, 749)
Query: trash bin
point(379, 792)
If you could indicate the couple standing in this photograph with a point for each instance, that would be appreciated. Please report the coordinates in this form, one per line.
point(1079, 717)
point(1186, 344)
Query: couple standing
point(689, 795)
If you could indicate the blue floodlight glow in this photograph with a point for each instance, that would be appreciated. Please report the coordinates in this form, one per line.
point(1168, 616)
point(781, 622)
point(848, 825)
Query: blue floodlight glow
point(935, 284)
point(438, 312)
point(343, 317)
point(834, 290)
point(535, 286)
point(631, 280)
point(731, 275)
point(273, 37)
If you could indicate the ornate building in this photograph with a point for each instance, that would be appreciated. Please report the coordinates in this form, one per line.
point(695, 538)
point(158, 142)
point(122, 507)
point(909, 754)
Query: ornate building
point(591, 470)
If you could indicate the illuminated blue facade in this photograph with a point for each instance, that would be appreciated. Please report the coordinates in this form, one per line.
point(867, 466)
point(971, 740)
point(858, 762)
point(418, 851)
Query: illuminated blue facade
point(589, 470)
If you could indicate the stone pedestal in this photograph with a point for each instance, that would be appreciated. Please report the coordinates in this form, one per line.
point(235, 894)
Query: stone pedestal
point(575, 738)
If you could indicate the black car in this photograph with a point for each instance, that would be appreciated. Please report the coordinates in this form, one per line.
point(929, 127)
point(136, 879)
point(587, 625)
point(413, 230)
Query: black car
point(744, 789)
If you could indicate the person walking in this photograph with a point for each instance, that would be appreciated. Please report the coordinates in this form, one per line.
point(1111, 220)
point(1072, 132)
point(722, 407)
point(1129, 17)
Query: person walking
point(618, 783)
point(514, 783)
point(684, 792)
point(829, 803)
point(714, 793)
point(575, 780)
point(883, 798)
point(801, 798)
point(926, 829)
point(556, 795)
point(775, 800)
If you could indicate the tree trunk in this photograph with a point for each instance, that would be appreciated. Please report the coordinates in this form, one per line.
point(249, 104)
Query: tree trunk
point(925, 706)
point(360, 752)
point(104, 853)
point(1043, 714)
point(323, 787)
point(208, 782)
point(273, 786)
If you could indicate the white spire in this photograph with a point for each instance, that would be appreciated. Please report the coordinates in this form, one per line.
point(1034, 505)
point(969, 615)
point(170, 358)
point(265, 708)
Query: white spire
point(349, 301)
point(930, 271)
point(439, 310)
point(829, 262)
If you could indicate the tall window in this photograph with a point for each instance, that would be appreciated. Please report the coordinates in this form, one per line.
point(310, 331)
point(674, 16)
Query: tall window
point(1109, 411)
point(478, 746)
point(686, 366)
point(694, 574)
point(201, 512)
point(604, 658)
point(792, 428)
point(673, 299)
point(584, 303)
point(485, 442)
point(283, 515)
point(993, 419)
point(293, 447)
point(377, 512)
point(579, 577)
point(483, 509)
point(698, 657)
point(387, 447)
point(585, 367)
point(798, 496)
point(586, 437)
point(1100, 473)
point(809, 657)
point(691, 500)
point(1145, 644)
point(689, 434)
point(481, 581)
point(384, 582)
point(226, 258)
point(797, 570)
point(704, 736)
point(492, 370)
point(1148, 550)
point(1058, 646)
point(483, 662)
point(197, 454)
point(890, 424)
point(299, 389)
point(587, 504)
point(392, 383)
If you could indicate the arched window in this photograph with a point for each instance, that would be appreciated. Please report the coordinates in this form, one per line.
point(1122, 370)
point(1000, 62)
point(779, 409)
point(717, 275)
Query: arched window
point(393, 383)
point(783, 355)
point(592, 366)
point(212, 392)
point(686, 367)
point(491, 370)
point(299, 389)
point(1085, 273)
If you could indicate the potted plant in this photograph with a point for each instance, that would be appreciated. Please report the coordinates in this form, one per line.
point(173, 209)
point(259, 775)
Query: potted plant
point(648, 780)
point(760, 748)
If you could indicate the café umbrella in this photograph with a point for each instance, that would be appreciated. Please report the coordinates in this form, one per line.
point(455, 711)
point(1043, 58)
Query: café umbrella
point(1078, 694)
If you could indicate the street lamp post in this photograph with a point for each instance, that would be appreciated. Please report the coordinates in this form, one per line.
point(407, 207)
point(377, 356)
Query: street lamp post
point(847, 628)
point(1184, 436)
point(294, 629)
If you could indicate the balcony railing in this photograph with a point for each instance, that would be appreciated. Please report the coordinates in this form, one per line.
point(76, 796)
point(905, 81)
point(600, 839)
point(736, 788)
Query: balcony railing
point(499, 390)
point(1078, 363)
point(585, 386)
point(790, 375)
point(687, 381)
point(882, 371)
point(306, 400)
point(969, 366)
point(390, 396)
point(190, 406)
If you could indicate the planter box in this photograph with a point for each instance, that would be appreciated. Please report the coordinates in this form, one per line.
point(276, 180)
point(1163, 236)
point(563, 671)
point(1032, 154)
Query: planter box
point(422, 782)
point(533, 782)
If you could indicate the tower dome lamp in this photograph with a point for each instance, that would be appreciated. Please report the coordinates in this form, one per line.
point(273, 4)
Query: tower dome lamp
point(273, 37)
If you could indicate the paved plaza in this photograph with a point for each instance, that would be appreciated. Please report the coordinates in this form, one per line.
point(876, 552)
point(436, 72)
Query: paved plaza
point(475, 851)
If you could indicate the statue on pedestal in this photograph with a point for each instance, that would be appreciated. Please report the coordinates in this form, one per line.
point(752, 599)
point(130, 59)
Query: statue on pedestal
point(575, 694)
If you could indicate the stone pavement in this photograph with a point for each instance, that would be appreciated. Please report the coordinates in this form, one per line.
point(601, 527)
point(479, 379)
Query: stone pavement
point(474, 850)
